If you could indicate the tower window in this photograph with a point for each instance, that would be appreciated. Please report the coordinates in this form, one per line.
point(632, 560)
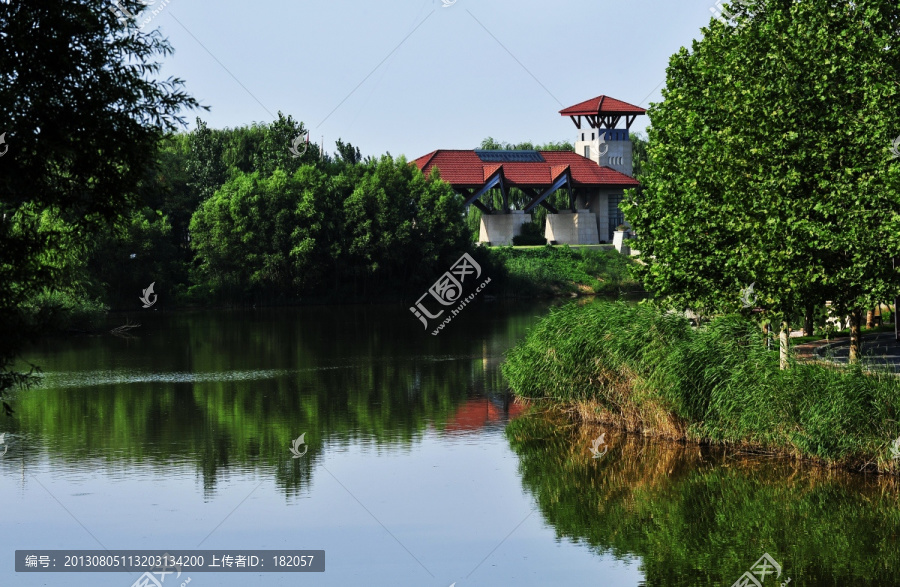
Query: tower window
point(587, 151)
point(592, 136)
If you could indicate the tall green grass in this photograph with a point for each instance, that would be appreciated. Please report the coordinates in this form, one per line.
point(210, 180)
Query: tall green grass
point(549, 271)
point(717, 383)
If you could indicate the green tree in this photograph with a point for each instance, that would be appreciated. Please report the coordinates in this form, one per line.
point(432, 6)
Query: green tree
point(770, 163)
point(383, 226)
point(639, 153)
point(347, 153)
point(276, 234)
point(274, 150)
point(204, 165)
point(82, 116)
point(139, 250)
point(491, 144)
point(400, 226)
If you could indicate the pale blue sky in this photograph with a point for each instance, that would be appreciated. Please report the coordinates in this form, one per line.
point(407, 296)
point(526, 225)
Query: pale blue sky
point(448, 85)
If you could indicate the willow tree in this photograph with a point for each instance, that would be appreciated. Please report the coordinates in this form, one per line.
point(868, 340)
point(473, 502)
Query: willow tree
point(770, 163)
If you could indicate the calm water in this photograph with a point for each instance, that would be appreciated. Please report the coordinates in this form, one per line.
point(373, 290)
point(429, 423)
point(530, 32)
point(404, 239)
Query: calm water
point(420, 471)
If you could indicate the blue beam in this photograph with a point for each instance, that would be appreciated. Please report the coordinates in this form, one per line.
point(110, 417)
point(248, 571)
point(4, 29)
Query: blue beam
point(495, 179)
point(560, 181)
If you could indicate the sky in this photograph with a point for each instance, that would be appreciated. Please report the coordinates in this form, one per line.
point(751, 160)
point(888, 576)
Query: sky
point(411, 76)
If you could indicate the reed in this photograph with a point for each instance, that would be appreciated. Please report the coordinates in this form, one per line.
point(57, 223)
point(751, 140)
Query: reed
point(650, 372)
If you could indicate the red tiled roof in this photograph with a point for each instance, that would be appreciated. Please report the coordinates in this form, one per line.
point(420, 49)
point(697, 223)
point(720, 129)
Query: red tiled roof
point(490, 169)
point(556, 171)
point(466, 170)
point(600, 105)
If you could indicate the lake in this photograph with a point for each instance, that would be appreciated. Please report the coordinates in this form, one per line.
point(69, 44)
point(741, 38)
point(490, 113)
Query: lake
point(416, 467)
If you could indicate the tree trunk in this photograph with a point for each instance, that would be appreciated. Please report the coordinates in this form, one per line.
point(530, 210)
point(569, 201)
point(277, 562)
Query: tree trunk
point(808, 322)
point(855, 338)
point(783, 344)
point(870, 319)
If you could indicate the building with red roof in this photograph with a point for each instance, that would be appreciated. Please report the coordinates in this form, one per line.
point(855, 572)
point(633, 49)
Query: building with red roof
point(595, 177)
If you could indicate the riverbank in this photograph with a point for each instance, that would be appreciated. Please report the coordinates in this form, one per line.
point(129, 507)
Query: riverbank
point(515, 273)
point(638, 369)
point(560, 271)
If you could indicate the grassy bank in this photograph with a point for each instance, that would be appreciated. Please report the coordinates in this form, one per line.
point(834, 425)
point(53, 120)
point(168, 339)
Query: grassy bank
point(515, 272)
point(559, 271)
point(648, 372)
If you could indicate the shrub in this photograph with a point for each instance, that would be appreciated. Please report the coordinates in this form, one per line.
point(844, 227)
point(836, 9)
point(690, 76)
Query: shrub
point(530, 236)
point(64, 311)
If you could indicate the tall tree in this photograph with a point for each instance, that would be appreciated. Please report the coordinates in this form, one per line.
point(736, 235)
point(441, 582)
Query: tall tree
point(284, 146)
point(82, 117)
point(348, 153)
point(771, 164)
point(205, 166)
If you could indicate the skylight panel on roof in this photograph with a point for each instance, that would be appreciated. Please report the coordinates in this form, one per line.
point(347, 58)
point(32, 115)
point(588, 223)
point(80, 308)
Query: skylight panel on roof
point(509, 156)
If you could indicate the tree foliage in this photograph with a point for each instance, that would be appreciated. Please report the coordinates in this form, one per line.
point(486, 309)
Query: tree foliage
point(82, 116)
point(769, 161)
point(348, 153)
point(368, 226)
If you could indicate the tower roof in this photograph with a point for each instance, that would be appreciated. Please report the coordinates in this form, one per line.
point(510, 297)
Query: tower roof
point(602, 105)
point(603, 112)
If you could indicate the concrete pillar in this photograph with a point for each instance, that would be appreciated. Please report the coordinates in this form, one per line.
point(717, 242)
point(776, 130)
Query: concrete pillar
point(621, 243)
point(596, 202)
point(499, 229)
point(567, 228)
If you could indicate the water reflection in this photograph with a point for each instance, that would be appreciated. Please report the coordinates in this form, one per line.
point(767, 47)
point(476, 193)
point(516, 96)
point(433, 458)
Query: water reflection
point(209, 392)
point(702, 517)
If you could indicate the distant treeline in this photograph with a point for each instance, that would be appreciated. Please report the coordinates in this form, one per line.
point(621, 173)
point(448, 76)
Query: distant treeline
point(233, 216)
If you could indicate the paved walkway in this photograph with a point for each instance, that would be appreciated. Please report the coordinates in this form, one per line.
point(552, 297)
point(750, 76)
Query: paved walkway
point(880, 349)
